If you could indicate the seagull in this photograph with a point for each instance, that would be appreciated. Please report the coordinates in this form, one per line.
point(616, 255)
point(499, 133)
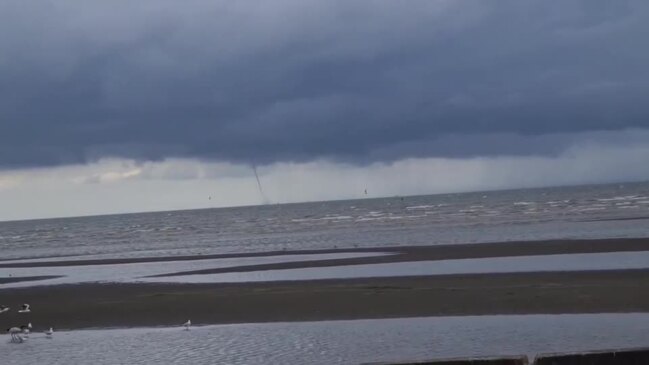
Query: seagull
point(49, 332)
point(187, 325)
point(26, 329)
point(4, 308)
point(15, 333)
point(25, 309)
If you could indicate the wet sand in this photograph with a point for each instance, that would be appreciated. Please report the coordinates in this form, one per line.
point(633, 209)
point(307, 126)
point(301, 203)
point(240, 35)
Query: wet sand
point(124, 305)
point(7, 280)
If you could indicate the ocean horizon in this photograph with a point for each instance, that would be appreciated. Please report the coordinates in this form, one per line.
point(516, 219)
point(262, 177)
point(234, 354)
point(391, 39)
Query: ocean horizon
point(567, 212)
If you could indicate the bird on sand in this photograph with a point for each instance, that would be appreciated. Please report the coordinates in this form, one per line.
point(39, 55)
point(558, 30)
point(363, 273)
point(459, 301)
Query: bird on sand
point(15, 333)
point(24, 309)
point(187, 325)
point(49, 333)
point(26, 329)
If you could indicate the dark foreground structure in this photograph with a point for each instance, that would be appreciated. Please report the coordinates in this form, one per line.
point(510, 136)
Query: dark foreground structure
point(516, 360)
point(614, 357)
point(622, 357)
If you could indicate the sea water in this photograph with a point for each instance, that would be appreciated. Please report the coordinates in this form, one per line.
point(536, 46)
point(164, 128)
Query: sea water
point(594, 211)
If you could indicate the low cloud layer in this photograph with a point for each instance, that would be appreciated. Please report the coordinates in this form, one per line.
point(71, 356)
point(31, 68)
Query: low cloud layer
point(121, 185)
point(289, 82)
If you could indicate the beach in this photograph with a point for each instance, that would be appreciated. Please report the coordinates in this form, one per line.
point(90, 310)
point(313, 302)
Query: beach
point(92, 305)
point(333, 182)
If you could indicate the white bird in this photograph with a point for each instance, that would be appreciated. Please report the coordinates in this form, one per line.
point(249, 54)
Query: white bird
point(4, 308)
point(187, 325)
point(49, 332)
point(26, 329)
point(25, 309)
point(15, 333)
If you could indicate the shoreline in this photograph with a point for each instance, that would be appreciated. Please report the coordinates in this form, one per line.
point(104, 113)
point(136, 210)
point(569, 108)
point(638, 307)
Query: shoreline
point(95, 305)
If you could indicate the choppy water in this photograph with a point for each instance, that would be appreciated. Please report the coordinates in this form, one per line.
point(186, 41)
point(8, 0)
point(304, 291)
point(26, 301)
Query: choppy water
point(618, 210)
point(336, 342)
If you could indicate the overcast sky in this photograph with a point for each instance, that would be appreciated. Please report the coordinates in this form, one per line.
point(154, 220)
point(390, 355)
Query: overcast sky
point(145, 105)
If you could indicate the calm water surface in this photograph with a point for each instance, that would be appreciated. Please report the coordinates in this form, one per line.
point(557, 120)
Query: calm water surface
point(516, 264)
point(336, 342)
point(143, 272)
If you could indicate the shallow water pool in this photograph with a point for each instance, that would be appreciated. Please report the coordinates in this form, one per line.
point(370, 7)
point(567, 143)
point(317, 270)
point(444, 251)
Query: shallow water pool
point(513, 264)
point(336, 342)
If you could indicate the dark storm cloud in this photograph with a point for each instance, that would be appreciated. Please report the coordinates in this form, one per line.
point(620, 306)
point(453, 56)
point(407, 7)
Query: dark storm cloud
point(259, 82)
